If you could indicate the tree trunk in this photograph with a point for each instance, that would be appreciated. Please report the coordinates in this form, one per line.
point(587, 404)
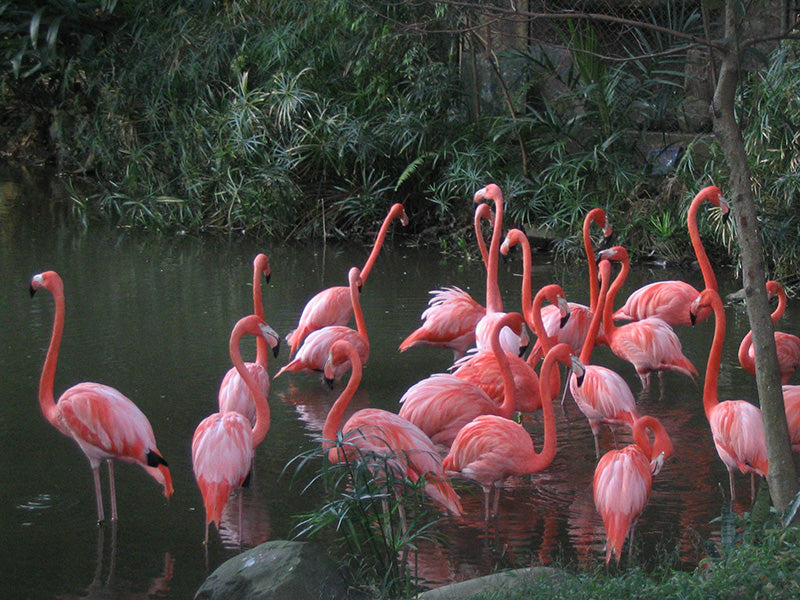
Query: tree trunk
point(782, 478)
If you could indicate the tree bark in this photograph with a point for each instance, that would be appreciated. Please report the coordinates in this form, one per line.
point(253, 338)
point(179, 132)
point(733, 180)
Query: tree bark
point(782, 478)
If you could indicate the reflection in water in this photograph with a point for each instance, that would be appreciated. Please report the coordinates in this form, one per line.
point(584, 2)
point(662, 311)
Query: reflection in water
point(107, 587)
point(245, 518)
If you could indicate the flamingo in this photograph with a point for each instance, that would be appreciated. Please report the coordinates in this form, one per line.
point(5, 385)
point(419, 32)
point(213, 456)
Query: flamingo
point(602, 395)
point(233, 391)
point(224, 443)
point(512, 342)
point(786, 344)
point(574, 332)
point(375, 432)
point(442, 404)
point(314, 352)
point(670, 300)
point(491, 448)
point(650, 344)
point(452, 314)
point(791, 405)
point(736, 425)
point(623, 480)
point(106, 424)
point(332, 306)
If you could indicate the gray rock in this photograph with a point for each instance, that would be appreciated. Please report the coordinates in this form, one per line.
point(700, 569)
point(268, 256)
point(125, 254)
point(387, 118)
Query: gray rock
point(279, 570)
point(519, 579)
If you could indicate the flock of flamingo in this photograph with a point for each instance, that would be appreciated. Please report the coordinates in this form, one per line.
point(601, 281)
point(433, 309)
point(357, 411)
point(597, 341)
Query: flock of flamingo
point(458, 423)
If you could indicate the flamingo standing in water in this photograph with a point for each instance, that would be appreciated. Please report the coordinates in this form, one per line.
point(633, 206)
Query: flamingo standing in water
point(224, 443)
point(736, 425)
point(511, 341)
point(375, 432)
point(670, 300)
point(574, 332)
point(791, 405)
point(332, 306)
point(786, 344)
point(623, 480)
point(442, 404)
point(491, 448)
point(452, 314)
point(106, 425)
point(233, 391)
point(651, 345)
point(602, 395)
point(314, 352)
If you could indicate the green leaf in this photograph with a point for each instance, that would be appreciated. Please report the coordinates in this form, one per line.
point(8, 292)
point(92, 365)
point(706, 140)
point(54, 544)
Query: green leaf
point(36, 20)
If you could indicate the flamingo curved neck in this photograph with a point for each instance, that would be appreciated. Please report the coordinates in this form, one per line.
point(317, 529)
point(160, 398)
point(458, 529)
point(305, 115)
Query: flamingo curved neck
point(596, 215)
point(537, 323)
point(709, 279)
point(745, 359)
point(46, 398)
point(559, 354)
point(516, 236)
point(509, 387)
point(494, 302)
point(334, 418)
point(482, 212)
point(710, 393)
point(779, 311)
point(396, 211)
point(608, 320)
point(361, 324)
point(597, 315)
point(262, 424)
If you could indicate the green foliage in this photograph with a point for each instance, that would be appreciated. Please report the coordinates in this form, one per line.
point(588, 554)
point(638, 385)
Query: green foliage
point(374, 515)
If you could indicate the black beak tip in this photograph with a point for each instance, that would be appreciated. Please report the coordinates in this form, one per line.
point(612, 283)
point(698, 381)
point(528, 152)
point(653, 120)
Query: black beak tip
point(267, 278)
point(32, 290)
point(564, 320)
point(328, 382)
point(276, 350)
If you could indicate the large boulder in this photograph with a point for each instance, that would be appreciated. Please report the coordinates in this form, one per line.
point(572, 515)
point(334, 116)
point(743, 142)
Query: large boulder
point(278, 570)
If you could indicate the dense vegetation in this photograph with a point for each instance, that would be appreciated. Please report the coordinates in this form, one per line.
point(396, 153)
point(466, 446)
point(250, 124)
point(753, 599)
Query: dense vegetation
point(311, 118)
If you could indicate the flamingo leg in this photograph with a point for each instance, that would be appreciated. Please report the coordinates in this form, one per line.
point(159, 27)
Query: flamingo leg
point(496, 503)
point(101, 517)
point(240, 494)
point(112, 490)
point(752, 487)
point(733, 488)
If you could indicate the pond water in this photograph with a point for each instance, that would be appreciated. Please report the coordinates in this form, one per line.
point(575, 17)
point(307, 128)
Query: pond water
point(151, 316)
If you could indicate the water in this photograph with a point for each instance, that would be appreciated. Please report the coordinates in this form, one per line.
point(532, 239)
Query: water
point(151, 316)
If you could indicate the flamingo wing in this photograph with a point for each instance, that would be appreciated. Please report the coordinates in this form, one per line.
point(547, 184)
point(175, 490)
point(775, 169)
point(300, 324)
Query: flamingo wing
point(666, 300)
point(222, 454)
point(482, 369)
point(738, 433)
point(573, 333)
point(651, 345)
point(107, 425)
point(314, 352)
point(331, 306)
point(621, 488)
point(603, 395)
point(234, 395)
point(788, 349)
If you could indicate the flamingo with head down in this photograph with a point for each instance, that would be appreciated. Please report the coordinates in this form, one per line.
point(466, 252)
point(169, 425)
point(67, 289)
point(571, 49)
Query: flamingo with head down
point(650, 345)
point(786, 345)
point(670, 300)
point(332, 306)
point(376, 432)
point(623, 480)
point(313, 353)
point(106, 425)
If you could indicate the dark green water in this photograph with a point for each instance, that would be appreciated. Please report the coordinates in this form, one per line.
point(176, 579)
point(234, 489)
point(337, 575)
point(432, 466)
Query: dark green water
point(151, 316)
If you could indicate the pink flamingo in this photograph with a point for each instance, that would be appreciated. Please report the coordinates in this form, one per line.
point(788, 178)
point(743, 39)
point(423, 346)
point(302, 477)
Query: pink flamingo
point(106, 425)
point(224, 443)
point(623, 480)
point(491, 448)
point(233, 391)
point(602, 395)
point(314, 352)
point(651, 345)
point(376, 432)
point(786, 344)
point(791, 405)
point(494, 303)
point(670, 300)
point(442, 404)
point(574, 332)
point(332, 306)
point(452, 314)
point(736, 425)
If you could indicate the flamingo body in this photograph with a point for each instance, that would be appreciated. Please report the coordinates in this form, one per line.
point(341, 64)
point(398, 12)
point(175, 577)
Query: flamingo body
point(106, 424)
point(371, 431)
point(791, 405)
point(483, 370)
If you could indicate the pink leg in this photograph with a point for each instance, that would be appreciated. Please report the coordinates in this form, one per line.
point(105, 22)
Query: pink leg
point(733, 488)
point(112, 490)
point(98, 494)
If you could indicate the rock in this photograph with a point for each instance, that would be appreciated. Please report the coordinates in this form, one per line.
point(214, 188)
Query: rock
point(520, 580)
point(277, 570)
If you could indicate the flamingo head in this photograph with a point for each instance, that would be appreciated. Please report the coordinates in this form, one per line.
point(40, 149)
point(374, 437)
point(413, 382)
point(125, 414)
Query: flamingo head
point(272, 337)
point(618, 253)
point(704, 300)
point(578, 369)
point(399, 212)
point(354, 278)
point(657, 463)
point(261, 264)
point(563, 307)
point(489, 192)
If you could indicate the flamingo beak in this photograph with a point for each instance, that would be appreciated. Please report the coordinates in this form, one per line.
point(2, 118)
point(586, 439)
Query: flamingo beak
point(328, 381)
point(657, 463)
point(692, 317)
